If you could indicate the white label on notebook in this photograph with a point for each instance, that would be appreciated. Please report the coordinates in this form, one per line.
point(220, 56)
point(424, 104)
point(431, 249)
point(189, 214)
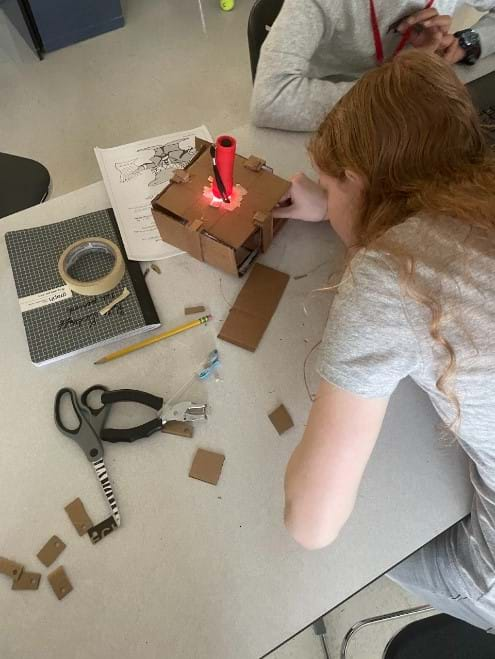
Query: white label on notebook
point(45, 297)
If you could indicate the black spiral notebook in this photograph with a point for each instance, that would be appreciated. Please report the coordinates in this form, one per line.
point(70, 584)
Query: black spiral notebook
point(58, 322)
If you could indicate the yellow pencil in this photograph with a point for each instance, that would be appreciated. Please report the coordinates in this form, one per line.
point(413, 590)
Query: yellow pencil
point(153, 339)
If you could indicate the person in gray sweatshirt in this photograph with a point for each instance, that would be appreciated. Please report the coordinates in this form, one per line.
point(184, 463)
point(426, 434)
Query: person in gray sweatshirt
point(317, 49)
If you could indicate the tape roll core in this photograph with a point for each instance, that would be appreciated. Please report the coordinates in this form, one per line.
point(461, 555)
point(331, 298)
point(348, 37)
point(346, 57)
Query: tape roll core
point(95, 286)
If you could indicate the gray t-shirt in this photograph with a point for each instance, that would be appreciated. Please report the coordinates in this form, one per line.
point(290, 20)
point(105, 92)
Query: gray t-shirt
point(378, 334)
point(316, 49)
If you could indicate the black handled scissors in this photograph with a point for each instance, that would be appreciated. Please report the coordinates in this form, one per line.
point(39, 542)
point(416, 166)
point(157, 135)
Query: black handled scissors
point(87, 435)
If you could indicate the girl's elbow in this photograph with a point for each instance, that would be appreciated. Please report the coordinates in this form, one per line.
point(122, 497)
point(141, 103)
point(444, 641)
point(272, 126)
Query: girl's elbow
point(311, 533)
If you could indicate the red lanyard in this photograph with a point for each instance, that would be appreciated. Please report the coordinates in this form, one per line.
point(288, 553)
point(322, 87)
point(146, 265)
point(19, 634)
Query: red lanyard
point(377, 37)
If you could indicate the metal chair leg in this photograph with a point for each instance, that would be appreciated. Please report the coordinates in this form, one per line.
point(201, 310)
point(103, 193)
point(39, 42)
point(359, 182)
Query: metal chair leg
point(320, 630)
point(371, 621)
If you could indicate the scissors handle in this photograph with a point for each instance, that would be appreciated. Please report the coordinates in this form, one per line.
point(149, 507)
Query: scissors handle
point(132, 434)
point(98, 415)
point(132, 396)
point(84, 434)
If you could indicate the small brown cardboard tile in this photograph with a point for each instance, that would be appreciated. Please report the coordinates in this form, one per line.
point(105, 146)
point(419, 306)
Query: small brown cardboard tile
point(254, 164)
point(78, 516)
point(281, 419)
point(49, 553)
point(254, 307)
point(27, 581)
point(180, 176)
point(190, 310)
point(59, 581)
point(178, 428)
point(10, 568)
point(207, 466)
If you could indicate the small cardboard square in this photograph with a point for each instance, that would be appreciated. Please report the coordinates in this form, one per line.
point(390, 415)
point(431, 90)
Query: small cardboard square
point(78, 516)
point(49, 553)
point(59, 581)
point(27, 581)
point(281, 419)
point(207, 466)
point(255, 305)
point(10, 568)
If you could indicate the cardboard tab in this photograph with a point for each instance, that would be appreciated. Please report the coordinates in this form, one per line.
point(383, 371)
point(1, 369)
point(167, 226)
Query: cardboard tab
point(207, 466)
point(281, 419)
point(181, 176)
point(78, 516)
point(51, 551)
point(27, 581)
point(254, 164)
point(10, 568)
point(179, 428)
point(255, 305)
point(195, 225)
point(59, 581)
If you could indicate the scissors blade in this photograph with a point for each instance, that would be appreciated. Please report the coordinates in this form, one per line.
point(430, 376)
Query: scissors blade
point(84, 434)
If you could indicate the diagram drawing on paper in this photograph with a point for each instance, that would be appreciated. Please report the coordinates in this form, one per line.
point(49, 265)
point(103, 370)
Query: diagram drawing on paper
point(159, 160)
point(133, 175)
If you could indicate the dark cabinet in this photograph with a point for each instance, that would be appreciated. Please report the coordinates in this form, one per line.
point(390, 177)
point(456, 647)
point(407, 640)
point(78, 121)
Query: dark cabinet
point(58, 23)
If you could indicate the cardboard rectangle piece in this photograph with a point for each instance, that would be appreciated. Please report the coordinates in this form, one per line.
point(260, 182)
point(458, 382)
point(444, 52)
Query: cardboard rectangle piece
point(10, 568)
point(51, 551)
point(178, 428)
point(78, 516)
point(27, 581)
point(255, 305)
point(207, 466)
point(59, 581)
point(281, 419)
point(190, 310)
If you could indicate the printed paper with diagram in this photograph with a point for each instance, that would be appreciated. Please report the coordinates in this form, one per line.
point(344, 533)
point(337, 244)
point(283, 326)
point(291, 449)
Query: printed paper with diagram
point(135, 173)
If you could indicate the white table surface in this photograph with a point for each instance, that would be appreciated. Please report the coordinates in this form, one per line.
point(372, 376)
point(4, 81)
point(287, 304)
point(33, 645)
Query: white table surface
point(198, 571)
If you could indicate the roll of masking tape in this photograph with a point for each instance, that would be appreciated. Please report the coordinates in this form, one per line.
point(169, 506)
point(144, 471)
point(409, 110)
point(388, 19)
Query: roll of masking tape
point(95, 286)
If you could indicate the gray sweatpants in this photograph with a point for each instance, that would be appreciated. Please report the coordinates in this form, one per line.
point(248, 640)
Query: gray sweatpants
point(443, 590)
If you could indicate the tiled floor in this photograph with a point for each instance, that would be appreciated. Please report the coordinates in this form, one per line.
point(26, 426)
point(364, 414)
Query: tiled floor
point(379, 598)
point(165, 71)
point(162, 72)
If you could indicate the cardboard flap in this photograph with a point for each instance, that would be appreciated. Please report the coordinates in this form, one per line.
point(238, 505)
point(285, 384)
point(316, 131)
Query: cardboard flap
point(255, 305)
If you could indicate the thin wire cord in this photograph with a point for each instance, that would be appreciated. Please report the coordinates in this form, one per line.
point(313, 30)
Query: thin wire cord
point(308, 356)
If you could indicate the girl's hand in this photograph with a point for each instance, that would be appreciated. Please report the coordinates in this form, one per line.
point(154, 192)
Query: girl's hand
point(305, 200)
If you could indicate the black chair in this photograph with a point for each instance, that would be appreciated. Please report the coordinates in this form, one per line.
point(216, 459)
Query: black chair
point(24, 183)
point(437, 637)
point(261, 18)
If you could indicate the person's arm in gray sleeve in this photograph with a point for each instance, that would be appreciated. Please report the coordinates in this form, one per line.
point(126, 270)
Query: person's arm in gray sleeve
point(284, 96)
point(486, 26)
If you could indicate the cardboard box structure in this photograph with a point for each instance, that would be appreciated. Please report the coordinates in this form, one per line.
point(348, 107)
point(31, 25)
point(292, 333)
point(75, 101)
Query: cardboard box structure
point(226, 239)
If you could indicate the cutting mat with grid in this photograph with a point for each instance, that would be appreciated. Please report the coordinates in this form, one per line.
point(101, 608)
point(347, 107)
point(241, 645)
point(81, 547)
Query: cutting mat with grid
point(72, 325)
